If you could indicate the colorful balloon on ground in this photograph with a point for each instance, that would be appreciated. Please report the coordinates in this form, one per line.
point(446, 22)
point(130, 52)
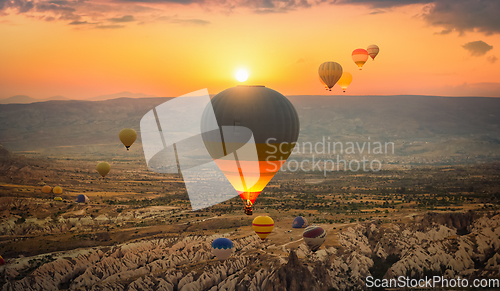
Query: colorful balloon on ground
point(330, 73)
point(222, 248)
point(57, 190)
point(373, 51)
point(360, 56)
point(259, 127)
point(103, 168)
point(263, 226)
point(345, 80)
point(2, 261)
point(128, 137)
point(299, 222)
point(57, 198)
point(82, 199)
point(46, 189)
point(314, 236)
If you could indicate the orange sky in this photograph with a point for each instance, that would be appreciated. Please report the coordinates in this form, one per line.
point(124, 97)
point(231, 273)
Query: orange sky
point(166, 49)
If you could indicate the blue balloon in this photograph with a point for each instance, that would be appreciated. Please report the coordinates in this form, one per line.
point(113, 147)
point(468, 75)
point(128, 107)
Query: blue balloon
point(222, 248)
point(299, 222)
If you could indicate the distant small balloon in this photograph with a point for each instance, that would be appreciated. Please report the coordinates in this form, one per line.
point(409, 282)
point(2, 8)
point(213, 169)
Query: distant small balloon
point(46, 189)
point(103, 168)
point(57, 190)
point(128, 137)
point(373, 51)
point(222, 248)
point(345, 80)
point(314, 237)
point(360, 56)
point(299, 222)
point(263, 226)
point(2, 261)
point(330, 73)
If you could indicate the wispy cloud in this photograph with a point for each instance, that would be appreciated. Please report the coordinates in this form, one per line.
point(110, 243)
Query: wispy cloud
point(126, 18)
point(477, 48)
point(492, 59)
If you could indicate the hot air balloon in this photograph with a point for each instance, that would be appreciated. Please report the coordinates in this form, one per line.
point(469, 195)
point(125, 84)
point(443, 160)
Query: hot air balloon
point(258, 129)
point(57, 190)
point(103, 168)
point(82, 199)
point(299, 222)
point(345, 80)
point(127, 136)
point(46, 189)
point(2, 261)
point(330, 73)
point(321, 80)
point(57, 198)
point(314, 236)
point(360, 56)
point(263, 226)
point(222, 248)
point(373, 51)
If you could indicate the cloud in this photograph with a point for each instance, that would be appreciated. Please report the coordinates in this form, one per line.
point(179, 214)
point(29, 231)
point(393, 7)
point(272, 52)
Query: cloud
point(300, 60)
point(126, 18)
point(78, 22)
point(199, 22)
point(477, 48)
point(492, 59)
point(111, 26)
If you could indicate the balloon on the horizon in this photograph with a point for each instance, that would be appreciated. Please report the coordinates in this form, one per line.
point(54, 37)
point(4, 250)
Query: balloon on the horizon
point(82, 199)
point(360, 56)
point(103, 168)
point(373, 51)
point(263, 226)
point(222, 248)
point(46, 189)
point(314, 236)
point(330, 73)
point(127, 137)
point(57, 190)
point(345, 80)
point(259, 128)
point(299, 222)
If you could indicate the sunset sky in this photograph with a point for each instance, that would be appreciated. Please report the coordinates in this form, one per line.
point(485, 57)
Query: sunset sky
point(81, 49)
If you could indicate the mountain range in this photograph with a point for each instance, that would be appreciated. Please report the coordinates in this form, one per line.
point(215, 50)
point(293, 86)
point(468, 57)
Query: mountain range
point(24, 99)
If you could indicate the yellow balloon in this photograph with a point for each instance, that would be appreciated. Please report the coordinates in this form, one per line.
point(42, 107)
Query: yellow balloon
point(46, 189)
point(330, 73)
point(57, 190)
point(103, 168)
point(57, 198)
point(345, 80)
point(263, 226)
point(128, 137)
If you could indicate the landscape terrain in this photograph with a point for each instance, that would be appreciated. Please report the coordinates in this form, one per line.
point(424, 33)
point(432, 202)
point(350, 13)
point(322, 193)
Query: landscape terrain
point(432, 208)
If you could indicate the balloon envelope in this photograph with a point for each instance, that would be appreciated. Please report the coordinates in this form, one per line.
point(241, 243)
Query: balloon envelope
point(82, 198)
point(57, 190)
point(127, 136)
point(330, 73)
point(299, 222)
point(222, 248)
point(314, 236)
point(345, 80)
point(103, 168)
point(2, 261)
point(360, 56)
point(373, 51)
point(57, 198)
point(258, 128)
point(46, 189)
point(263, 226)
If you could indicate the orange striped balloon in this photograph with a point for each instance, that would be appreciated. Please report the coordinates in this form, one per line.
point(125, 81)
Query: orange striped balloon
point(373, 51)
point(360, 56)
point(263, 226)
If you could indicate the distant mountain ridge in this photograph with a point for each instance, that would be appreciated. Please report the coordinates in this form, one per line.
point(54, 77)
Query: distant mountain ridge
point(24, 99)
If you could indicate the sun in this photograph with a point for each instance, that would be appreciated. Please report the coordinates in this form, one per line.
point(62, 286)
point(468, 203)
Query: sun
point(241, 75)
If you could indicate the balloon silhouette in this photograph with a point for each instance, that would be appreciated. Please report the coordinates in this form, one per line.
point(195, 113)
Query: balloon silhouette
point(360, 56)
point(222, 248)
point(373, 51)
point(263, 226)
point(330, 73)
point(128, 137)
point(103, 168)
point(345, 80)
point(258, 129)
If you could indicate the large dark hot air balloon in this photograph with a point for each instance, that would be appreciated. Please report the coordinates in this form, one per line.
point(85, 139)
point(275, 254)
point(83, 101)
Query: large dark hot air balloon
point(253, 115)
